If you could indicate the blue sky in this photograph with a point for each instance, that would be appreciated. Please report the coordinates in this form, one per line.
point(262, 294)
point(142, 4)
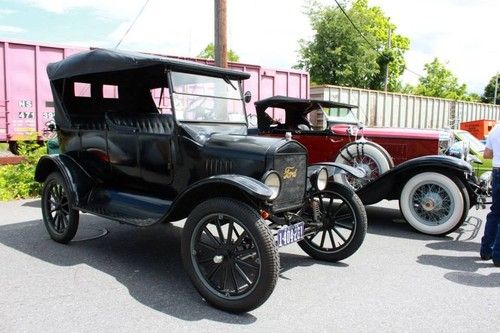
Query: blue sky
point(464, 34)
point(31, 23)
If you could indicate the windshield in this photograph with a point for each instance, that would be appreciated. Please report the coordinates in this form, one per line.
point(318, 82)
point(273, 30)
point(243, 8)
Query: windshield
point(474, 142)
point(340, 115)
point(207, 99)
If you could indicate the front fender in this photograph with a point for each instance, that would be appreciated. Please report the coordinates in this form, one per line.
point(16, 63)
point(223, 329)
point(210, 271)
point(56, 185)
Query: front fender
point(76, 178)
point(389, 185)
point(246, 189)
point(334, 168)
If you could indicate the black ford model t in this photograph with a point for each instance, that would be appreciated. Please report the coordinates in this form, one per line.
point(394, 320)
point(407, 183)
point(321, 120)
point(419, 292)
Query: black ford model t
point(147, 139)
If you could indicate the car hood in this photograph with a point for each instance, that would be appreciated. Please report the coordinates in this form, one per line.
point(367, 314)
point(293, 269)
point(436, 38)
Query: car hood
point(390, 132)
point(253, 145)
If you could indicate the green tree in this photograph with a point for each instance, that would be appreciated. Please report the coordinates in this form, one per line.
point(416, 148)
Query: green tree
point(440, 81)
point(489, 91)
point(338, 54)
point(209, 53)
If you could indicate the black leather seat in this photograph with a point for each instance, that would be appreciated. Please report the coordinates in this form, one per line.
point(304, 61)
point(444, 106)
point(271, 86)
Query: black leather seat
point(90, 123)
point(151, 123)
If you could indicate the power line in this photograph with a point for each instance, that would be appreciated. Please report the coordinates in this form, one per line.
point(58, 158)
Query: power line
point(357, 29)
point(366, 40)
point(413, 72)
point(131, 25)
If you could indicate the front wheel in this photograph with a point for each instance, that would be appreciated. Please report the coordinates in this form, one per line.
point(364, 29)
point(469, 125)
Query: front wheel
point(230, 255)
point(434, 204)
point(343, 223)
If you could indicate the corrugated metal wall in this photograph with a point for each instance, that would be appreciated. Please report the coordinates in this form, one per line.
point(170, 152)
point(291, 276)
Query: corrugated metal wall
point(378, 108)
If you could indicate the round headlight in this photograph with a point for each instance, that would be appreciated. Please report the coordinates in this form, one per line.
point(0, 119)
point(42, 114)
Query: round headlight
point(273, 181)
point(322, 179)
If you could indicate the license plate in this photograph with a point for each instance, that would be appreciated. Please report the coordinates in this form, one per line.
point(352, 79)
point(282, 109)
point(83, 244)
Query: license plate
point(290, 234)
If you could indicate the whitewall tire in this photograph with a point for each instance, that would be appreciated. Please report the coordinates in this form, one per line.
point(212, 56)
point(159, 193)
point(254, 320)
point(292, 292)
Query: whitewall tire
point(433, 203)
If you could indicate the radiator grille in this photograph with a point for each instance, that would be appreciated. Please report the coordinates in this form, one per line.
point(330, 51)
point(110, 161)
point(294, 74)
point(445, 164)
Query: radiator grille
point(293, 171)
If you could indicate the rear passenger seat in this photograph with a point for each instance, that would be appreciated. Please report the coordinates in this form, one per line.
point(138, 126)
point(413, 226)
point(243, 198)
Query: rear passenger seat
point(90, 122)
point(151, 123)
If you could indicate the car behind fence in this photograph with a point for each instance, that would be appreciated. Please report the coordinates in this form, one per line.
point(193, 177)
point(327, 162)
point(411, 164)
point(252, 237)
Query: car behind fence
point(379, 108)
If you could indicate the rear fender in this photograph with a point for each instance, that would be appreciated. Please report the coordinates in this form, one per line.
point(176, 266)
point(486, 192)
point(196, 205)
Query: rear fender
point(243, 188)
point(77, 179)
point(389, 185)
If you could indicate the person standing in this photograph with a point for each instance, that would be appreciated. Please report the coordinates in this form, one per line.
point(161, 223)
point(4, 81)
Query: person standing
point(490, 243)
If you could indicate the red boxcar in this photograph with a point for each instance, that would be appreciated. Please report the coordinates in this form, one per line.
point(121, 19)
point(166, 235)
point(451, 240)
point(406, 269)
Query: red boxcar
point(26, 99)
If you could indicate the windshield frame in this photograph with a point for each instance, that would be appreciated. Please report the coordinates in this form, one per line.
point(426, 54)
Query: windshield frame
point(233, 84)
point(337, 119)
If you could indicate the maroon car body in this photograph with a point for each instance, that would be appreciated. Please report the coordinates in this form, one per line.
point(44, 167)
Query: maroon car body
point(401, 144)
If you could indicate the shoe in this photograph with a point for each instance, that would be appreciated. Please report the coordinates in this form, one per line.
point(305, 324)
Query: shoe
point(485, 256)
point(496, 263)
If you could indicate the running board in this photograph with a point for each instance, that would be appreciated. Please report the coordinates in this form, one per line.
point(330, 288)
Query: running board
point(126, 207)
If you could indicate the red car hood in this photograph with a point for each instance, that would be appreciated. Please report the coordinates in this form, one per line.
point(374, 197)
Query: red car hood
point(389, 132)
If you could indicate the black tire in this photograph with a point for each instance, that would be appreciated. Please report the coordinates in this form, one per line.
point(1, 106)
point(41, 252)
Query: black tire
point(349, 227)
point(434, 204)
point(372, 158)
point(230, 255)
point(14, 147)
point(60, 219)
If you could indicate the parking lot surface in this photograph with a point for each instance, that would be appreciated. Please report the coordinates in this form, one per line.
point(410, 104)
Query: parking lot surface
point(122, 278)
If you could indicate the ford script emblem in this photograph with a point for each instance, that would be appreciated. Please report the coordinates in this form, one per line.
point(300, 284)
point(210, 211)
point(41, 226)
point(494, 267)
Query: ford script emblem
point(290, 172)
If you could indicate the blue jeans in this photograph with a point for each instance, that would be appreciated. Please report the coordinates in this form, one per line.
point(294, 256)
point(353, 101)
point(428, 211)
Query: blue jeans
point(490, 243)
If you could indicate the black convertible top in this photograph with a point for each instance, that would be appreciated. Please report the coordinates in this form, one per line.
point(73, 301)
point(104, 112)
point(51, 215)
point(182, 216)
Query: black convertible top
point(104, 60)
point(296, 109)
point(296, 104)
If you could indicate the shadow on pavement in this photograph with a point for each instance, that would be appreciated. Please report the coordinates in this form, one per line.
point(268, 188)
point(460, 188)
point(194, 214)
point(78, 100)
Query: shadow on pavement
point(289, 261)
point(464, 269)
point(389, 222)
point(147, 261)
point(32, 204)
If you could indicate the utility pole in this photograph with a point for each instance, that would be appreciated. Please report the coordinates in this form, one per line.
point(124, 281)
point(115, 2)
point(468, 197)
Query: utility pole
point(220, 33)
point(386, 79)
point(495, 93)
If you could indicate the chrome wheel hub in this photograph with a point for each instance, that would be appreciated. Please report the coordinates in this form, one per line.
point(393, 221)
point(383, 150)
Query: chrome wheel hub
point(218, 259)
point(431, 201)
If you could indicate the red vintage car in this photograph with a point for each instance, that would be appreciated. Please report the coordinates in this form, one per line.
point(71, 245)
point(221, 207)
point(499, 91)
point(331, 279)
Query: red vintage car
point(342, 138)
point(434, 191)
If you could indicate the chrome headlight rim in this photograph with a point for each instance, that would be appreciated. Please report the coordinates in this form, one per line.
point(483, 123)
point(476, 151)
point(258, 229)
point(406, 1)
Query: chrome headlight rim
point(322, 180)
point(319, 179)
point(272, 179)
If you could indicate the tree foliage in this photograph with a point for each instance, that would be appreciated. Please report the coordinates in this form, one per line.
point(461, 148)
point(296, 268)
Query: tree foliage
point(209, 53)
point(489, 91)
point(440, 81)
point(16, 181)
point(338, 54)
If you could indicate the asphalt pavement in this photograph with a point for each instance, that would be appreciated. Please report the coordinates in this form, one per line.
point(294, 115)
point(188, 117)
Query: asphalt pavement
point(115, 277)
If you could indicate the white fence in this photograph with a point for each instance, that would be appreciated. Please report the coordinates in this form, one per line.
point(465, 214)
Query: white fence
point(378, 108)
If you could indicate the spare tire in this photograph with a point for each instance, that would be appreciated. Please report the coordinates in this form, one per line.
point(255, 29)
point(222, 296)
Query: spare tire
point(370, 157)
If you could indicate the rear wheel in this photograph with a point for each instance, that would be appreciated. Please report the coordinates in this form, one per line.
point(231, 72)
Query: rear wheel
point(230, 255)
point(14, 147)
point(60, 219)
point(434, 204)
point(344, 223)
point(370, 157)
